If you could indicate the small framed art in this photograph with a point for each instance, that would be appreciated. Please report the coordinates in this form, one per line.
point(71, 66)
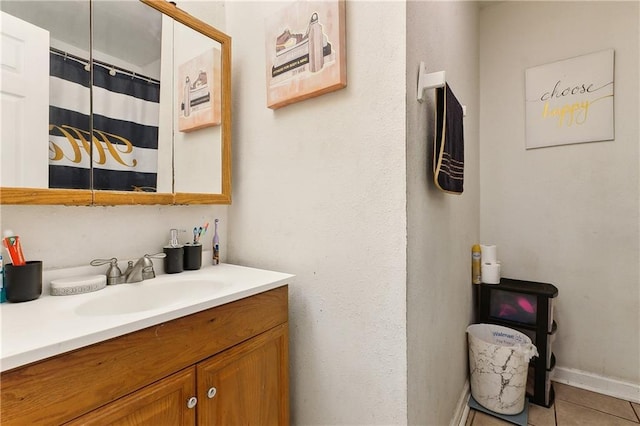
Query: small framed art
point(305, 51)
point(199, 90)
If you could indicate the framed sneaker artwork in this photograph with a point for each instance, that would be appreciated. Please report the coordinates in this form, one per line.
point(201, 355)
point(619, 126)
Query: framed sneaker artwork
point(198, 92)
point(305, 51)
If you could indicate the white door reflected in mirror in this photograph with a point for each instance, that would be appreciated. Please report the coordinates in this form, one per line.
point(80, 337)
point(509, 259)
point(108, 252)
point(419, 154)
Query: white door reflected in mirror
point(24, 109)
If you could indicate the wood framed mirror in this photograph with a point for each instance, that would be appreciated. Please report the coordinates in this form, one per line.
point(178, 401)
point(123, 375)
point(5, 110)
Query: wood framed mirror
point(190, 160)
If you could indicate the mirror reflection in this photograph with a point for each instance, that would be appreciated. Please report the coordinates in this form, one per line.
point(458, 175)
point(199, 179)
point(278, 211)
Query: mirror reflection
point(137, 106)
point(197, 141)
point(126, 91)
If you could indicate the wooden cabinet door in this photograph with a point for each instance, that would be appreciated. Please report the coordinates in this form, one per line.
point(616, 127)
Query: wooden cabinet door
point(247, 384)
point(161, 403)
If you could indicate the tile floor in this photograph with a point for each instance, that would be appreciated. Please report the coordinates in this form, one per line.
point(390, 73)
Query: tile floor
point(572, 407)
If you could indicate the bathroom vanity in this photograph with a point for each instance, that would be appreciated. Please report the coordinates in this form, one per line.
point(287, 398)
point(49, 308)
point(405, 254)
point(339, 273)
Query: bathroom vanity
point(216, 354)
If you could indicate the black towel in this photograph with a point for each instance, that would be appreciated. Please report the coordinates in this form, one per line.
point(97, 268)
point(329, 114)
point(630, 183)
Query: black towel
point(448, 147)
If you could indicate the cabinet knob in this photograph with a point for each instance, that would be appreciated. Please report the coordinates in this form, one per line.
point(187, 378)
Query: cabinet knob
point(211, 392)
point(191, 402)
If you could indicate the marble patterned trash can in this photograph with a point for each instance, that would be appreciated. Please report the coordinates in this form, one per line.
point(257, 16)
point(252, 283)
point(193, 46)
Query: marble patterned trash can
point(498, 363)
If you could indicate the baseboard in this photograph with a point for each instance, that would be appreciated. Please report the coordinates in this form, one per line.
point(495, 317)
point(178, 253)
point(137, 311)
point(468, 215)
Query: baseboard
point(462, 407)
point(600, 384)
point(576, 378)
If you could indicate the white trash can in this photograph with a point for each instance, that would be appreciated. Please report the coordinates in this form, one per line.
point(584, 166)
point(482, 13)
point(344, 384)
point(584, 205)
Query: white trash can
point(499, 363)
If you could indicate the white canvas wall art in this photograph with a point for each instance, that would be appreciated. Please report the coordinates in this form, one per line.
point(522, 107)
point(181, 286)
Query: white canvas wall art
point(570, 101)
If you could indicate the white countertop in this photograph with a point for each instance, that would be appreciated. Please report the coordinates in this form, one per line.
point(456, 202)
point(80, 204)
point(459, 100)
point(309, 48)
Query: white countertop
point(51, 325)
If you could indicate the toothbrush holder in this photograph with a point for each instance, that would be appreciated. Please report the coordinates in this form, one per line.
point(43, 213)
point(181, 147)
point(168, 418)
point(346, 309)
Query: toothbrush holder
point(192, 256)
point(23, 283)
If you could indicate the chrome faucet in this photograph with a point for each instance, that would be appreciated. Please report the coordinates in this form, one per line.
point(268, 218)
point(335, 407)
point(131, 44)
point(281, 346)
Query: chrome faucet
point(141, 270)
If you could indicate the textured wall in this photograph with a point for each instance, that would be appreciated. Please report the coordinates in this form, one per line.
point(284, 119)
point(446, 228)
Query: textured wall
point(568, 215)
point(319, 192)
point(441, 227)
point(63, 236)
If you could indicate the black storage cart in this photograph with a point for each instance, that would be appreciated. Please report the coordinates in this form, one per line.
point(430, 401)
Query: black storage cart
point(525, 306)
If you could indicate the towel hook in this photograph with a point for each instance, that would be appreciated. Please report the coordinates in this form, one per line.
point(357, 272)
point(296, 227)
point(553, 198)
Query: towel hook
point(432, 80)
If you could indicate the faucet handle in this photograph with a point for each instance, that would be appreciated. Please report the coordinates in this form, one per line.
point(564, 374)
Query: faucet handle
point(156, 256)
point(100, 262)
point(114, 274)
point(147, 265)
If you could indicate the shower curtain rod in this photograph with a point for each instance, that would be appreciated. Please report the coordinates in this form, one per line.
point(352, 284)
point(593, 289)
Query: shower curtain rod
point(110, 67)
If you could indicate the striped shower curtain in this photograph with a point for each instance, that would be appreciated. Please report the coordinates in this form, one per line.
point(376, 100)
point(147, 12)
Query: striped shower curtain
point(124, 145)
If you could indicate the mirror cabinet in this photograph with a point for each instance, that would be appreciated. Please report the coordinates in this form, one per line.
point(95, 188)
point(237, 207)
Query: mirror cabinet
point(113, 103)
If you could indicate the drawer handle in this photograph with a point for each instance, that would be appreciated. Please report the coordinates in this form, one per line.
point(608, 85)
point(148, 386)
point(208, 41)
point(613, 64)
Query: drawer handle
point(191, 402)
point(211, 392)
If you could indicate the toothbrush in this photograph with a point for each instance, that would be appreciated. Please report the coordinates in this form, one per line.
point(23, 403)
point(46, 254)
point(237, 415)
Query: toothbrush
point(202, 230)
point(198, 232)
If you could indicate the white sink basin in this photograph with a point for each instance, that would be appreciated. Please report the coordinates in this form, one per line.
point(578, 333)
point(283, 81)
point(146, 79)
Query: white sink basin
point(146, 296)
